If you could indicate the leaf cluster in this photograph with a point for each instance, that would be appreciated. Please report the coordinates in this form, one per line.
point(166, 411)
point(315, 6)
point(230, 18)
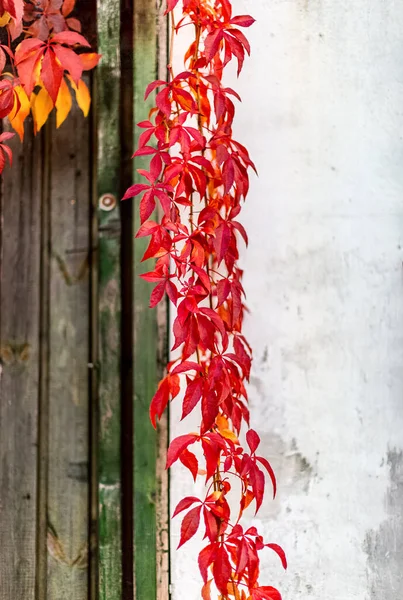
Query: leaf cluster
point(41, 65)
point(198, 180)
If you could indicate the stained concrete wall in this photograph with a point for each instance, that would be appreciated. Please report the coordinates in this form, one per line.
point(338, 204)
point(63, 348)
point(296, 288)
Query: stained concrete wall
point(322, 114)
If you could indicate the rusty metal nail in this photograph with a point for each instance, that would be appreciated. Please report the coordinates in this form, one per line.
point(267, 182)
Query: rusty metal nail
point(107, 202)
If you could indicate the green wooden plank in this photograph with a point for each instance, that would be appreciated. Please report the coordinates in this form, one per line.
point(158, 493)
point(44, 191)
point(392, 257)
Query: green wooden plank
point(109, 488)
point(146, 334)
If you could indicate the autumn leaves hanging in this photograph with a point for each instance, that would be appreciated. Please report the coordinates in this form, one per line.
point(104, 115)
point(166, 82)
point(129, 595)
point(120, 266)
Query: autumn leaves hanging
point(41, 64)
point(198, 175)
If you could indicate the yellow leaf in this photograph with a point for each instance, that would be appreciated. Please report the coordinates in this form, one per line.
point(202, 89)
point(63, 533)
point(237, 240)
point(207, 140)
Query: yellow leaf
point(4, 19)
point(83, 96)
point(229, 435)
point(63, 103)
point(222, 422)
point(20, 111)
point(223, 427)
point(41, 105)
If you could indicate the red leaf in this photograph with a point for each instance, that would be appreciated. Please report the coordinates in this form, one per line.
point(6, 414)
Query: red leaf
point(243, 21)
point(70, 38)
point(159, 401)
point(212, 44)
point(151, 87)
point(189, 460)
point(28, 47)
point(70, 62)
point(163, 102)
point(253, 440)
point(222, 241)
point(242, 558)
point(206, 557)
point(172, 292)
point(192, 396)
point(210, 522)
point(15, 8)
point(184, 504)
point(147, 228)
point(190, 525)
point(228, 174)
point(6, 98)
point(266, 593)
point(135, 189)
point(27, 57)
point(223, 290)
point(177, 446)
point(147, 206)
point(257, 481)
point(6, 135)
point(52, 74)
point(222, 570)
point(209, 410)
point(241, 230)
point(171, 5)
point(187, 365)
point(157, 294)
point(280, 552)
point(270, 471)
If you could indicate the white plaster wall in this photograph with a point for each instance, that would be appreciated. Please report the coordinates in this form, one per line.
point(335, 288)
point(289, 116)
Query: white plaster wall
point(322, 115)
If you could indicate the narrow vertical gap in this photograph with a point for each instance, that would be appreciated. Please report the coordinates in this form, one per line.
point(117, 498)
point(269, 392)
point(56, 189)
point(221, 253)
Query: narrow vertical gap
point(127, 318)
point(43, 389)
point(163, 314)
point(89, 16)
point(93, 433)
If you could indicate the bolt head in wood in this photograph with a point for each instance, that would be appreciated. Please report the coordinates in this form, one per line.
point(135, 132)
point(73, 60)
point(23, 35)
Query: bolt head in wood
point(107, 202)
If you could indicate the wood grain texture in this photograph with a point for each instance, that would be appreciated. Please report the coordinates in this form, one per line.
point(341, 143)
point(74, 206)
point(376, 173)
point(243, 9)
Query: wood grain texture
point(109, 302)
point(19, 370)
point(68, 367)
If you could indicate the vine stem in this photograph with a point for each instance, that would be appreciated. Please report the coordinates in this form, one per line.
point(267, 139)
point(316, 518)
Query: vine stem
point(171, 46)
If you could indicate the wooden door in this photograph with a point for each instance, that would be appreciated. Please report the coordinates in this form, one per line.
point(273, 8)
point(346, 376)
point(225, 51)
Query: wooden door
point(83, 491)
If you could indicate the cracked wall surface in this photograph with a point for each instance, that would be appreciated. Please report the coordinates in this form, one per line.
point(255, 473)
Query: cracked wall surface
point(322, 115)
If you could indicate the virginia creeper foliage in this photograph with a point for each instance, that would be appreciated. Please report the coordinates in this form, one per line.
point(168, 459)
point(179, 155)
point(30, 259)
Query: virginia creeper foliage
point(42, 58)
point(198, 174)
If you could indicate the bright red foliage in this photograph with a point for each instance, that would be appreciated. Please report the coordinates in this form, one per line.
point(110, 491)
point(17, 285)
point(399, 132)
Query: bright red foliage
point(38, 61)
point(198, 175)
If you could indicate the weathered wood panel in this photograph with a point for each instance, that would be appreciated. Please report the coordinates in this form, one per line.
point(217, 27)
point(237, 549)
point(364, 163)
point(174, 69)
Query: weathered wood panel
point(109, 301)
point(53, 246)
point(19, 370)
point(69, 355)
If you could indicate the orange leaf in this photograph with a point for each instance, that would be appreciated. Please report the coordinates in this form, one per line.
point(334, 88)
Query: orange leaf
point(68, 7)
point(89, 60)
point(20, 111)
point(41, 105)
point(83, 96)
point(63, 103)
point(206, 594)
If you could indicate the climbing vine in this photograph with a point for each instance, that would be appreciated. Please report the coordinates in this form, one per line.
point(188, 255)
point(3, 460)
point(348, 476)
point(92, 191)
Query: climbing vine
point(199, 175)
point(42, 58)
